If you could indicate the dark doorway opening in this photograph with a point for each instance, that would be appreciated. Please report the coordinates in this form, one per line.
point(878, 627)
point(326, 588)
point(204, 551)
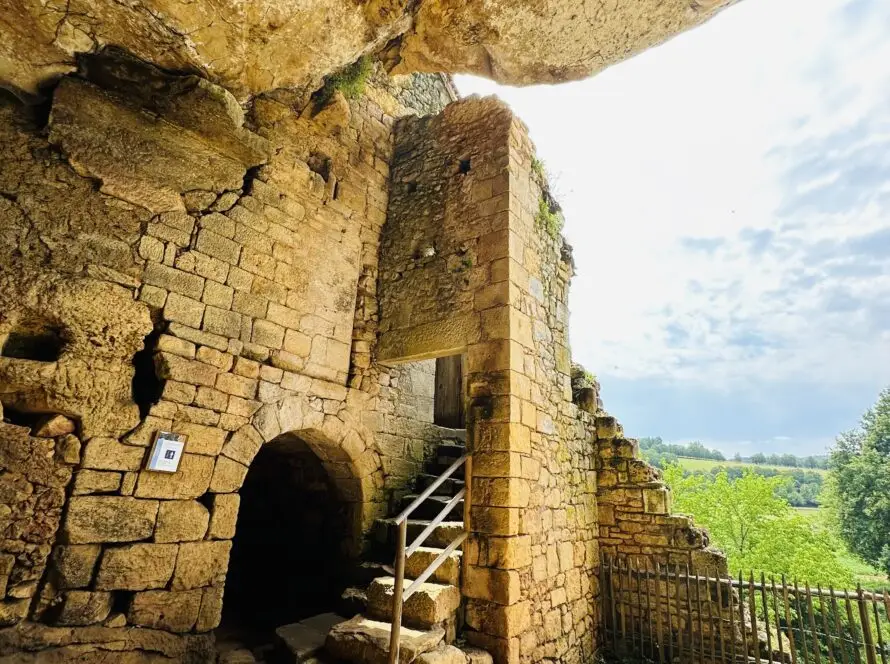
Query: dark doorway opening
point(288, 558)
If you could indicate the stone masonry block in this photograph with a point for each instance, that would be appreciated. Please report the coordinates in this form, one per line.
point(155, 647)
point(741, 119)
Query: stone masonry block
point(223, 322)
point(74, 564)
point(181, 521)
point(182, 309)
point(228, 476)
point(224, 515)
point(217, 246)
point(185, 371)
point(109, 454)
point(501, 492)
point(496, 619)
point(201, 564)
point(495, 585)
point(94, 519)
point(175, 281)
point(190, 481)
point(509, 552)
point(136, 567)
point(161, 609)
point(497, 464)
point(496, 520)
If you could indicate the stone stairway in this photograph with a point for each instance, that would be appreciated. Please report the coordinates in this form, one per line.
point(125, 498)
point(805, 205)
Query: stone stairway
point(430, 615)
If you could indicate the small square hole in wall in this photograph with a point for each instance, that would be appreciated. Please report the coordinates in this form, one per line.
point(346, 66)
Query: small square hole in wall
point(464, 166)
point(411, 187)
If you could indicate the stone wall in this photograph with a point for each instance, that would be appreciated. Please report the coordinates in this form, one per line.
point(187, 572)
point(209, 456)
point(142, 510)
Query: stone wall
point(173, 263)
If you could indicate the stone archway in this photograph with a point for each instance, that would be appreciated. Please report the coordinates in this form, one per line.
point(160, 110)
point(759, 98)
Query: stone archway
point(291, 552)
point(310, 484)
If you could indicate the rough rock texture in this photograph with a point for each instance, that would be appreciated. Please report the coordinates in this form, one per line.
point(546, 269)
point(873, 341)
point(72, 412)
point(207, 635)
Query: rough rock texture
point(361, 640)
point(249, 46)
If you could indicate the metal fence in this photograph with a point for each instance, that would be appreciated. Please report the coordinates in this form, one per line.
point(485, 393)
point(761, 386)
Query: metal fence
point(668, 613)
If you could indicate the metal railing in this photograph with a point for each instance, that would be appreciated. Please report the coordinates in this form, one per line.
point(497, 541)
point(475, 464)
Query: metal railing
point(667, 613)
point(403, 550)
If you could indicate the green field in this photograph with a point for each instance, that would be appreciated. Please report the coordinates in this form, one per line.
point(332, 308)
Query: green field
point(707, 464)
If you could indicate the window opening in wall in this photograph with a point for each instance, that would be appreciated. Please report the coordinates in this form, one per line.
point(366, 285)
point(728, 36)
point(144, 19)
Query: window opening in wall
point(33, 340)
point(464, 166)
point(448, 404)
point(321, 164)
point(288, 560)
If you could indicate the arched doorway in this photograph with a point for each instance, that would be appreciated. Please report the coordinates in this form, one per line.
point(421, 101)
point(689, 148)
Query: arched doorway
point(290, 552)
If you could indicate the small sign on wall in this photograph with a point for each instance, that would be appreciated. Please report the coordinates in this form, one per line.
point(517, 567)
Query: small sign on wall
point(166, 452)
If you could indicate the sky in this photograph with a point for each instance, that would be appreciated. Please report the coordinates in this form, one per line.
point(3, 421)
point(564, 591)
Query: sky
point(727, 195)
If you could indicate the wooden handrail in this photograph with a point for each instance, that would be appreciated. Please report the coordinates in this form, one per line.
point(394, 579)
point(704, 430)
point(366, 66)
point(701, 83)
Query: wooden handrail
point(401, 594)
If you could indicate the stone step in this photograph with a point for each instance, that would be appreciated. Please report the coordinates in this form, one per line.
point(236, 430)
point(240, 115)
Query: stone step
point(362, 640)
point(353, 601)
point(299, 642)
point(449, 654)
point(447, 572)
point(386, 532)
point(430, 605)
point(366, 571)
point(448, 488)
point(430, 508)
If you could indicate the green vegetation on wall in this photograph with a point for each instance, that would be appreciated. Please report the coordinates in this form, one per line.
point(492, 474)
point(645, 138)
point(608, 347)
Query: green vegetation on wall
point(350, 81)
point(549, 217)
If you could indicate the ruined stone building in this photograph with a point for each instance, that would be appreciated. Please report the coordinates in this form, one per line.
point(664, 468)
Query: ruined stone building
point(331, 297)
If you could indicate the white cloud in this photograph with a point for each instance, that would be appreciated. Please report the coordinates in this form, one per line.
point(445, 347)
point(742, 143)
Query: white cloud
point(672, 167)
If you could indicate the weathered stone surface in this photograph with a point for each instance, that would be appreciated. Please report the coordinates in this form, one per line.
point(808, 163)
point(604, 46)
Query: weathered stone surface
point(429, 605)
point(210, 613)
point(109, 454)
point(190, 481)
point(109, 519)
point(447, 572)
point(84, 608)
point(96, 481)
point(74, 565)
point(224, 515)
point(136, 567)
point(94, 644)
point(201, 144)
point(162, 609)
point(181, 521)
point(444, 654)
point(239, 46)
point(51, 426)
point(68, 449)
point(201, 564)
point(228, 476)
point(361, 640)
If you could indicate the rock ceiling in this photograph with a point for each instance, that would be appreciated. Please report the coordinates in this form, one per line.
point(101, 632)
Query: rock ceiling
point(252, 46)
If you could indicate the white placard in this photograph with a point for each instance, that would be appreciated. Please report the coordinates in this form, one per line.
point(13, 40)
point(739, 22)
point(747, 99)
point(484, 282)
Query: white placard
point(166, 453)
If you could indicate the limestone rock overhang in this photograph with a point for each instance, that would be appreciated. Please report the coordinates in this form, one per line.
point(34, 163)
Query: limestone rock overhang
point(254, 46)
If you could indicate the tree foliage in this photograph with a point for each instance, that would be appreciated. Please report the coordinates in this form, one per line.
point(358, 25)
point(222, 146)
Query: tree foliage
point(859, 484)
point(756, 527)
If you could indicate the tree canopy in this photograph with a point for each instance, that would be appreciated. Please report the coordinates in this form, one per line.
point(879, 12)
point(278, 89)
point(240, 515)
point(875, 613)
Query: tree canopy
point(859, 484)
point(756, 527)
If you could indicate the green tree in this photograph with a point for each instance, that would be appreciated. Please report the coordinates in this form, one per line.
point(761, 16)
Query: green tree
point(758, 529)
point(859, 484)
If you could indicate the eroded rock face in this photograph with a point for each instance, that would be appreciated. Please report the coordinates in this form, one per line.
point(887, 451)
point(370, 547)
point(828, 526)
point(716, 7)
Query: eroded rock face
point(251, 46)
